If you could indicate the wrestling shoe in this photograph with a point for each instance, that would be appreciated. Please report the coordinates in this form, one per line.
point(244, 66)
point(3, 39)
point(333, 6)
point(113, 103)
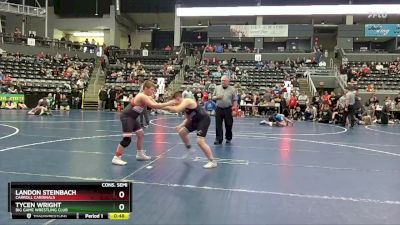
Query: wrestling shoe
point(210, 164)
point(141, 156)
point(118, 161)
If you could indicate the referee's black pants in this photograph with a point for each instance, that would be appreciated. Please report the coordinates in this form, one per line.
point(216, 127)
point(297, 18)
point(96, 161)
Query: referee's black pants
point(350, 115)
point(223, 115)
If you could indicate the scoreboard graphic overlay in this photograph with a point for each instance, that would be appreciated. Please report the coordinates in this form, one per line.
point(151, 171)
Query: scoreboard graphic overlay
point(72, 200)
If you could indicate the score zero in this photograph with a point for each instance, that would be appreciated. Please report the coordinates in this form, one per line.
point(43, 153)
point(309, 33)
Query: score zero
point(114, 185)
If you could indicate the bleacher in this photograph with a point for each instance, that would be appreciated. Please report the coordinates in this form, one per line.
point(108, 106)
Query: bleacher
point(153, 69)
point(384, 79)
point(30, 74)
point(256, 80)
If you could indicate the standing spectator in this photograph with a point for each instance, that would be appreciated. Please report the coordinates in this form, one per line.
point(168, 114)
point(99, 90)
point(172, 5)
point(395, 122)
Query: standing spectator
point(187, 93)
point(57, 98)
point(119, 96)
point(51, 101)
point(397, 99)
point(111, 97)
point(144, 117)
point(17, 35)
point(317, 100)
point(268, 95)
point(303, 101)
point(102, 98)
point(225, 95)
point(75, 95)
point(292, 104)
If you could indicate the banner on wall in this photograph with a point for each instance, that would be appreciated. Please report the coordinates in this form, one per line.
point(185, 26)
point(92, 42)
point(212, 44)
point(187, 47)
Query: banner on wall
point(382, 30)
point(259, 30)
point(13, 97)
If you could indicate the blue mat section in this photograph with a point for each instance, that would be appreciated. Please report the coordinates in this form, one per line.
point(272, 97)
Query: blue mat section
point(306, 174)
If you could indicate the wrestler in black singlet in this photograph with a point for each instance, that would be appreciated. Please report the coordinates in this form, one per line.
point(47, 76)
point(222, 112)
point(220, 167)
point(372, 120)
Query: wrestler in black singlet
point(129, 118)
point(199, 120)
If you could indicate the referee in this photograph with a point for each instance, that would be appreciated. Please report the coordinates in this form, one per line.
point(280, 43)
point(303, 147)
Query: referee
point(225, 95)
point(350, 104)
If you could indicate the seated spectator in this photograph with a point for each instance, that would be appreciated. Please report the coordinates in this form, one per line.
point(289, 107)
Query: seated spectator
point(370, 88)
point(210, 107)
point(366, 70)
point(385, 115)
point(21, 105)
point(1, 76)
point(326, 98)
point(326, 114)
point(7, 79)
point(310, 114)
point(379, 67)
point(388, 101)
point(12, 90)
point(64, 103)
point(168, 48)
point(8, 104)
point(298, 114)
point(3, 88)
point(40, 56)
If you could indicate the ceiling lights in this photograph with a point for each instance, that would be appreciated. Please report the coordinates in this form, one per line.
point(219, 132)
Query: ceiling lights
point(88, 34)
point(386, 9)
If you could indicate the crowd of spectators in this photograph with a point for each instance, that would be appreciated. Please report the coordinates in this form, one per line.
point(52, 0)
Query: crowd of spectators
point(73, 72)
point(373, 75)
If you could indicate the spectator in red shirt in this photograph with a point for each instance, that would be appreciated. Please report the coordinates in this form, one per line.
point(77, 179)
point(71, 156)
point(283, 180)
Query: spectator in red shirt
point(41, 55)
point(293, 104)
point(205, 97)
point(167, 48)
point(7, 79)
point(326, 98)
point(366, 70)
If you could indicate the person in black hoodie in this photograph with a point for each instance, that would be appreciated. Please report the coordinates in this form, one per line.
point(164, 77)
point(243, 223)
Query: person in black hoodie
point(111, 98)
point(57, 97)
